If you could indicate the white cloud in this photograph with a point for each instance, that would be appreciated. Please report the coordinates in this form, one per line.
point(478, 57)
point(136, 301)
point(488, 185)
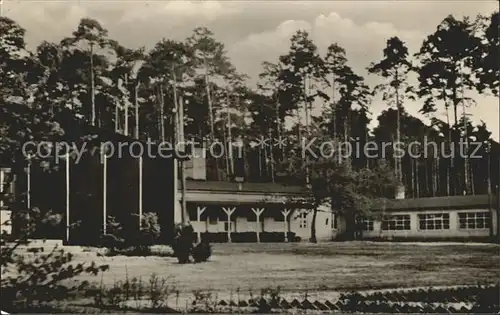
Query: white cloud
point(363, 44)
point(256, 31)
point(177, 11)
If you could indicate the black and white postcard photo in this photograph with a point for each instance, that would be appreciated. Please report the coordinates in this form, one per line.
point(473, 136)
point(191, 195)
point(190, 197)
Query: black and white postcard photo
point(249, 156)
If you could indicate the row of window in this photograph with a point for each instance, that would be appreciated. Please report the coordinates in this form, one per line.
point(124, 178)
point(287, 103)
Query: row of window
point(432, 221)
point(302, 221)
point(213, 220)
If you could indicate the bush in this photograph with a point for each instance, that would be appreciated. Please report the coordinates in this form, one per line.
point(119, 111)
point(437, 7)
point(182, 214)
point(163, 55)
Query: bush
point(125, 239)
point(183, 242)
point(115, 238)
point(184, 245)
point(202, 251)
point(31, 278)
point(150, 229)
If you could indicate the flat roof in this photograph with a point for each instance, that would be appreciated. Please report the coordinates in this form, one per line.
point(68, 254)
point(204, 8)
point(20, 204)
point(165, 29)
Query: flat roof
point(427, 203)
point(264, 188)
point(447, 202)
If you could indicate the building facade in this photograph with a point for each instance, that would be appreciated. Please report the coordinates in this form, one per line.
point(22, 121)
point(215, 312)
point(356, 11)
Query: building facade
point(253, 212)
point(224, 212)
point(437, 218)
point(228, 209)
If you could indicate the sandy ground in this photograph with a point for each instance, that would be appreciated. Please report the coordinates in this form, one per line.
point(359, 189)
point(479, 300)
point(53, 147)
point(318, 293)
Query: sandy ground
point(306, 268)
point(317, 271)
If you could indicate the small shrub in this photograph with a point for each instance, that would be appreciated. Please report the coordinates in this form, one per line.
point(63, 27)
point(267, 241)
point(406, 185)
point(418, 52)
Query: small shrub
point(204, 302)
point(183, 242)
point(150, 229)
point(184, 245)
point(159, 292)
point(115, 238)
point(269, 298)
point(202, 251)
point(156, 291)
point(137, 289)
point(114, 297)
point(127, 240)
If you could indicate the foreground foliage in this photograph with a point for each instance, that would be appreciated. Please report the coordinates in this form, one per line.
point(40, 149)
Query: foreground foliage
point(158, 295)
point(33, 278)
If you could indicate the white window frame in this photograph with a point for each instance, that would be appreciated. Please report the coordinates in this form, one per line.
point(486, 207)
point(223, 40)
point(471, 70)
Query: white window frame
point(368, 224)
point(211, 221)
point(303, 220)
point(473, 217)
point(396, 222)
point(441, 217)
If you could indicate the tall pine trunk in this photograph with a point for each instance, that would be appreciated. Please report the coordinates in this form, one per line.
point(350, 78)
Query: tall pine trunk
point(92, 85)
point(466, 189)
point(230, 138)
point(156, 89)
point(438, 175)
point(117, 114)
point(313, 225)
point(306, 88)
point(456, 137)
point(450, 166)
point(472, 181)
point(162, 114)
point(334, 108)
point(426, 177)
point(417, 177)
point(271, 153)
point(299, 131)
point(226, 146)
point(279, 130)
point(399, 174)
point(210, 115)
point(136, 103)
point(125, 128)
point(260, 162)
point(412, 177)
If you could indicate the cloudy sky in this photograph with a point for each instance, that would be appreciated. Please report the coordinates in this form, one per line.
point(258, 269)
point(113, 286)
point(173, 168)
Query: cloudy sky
point(255, 31)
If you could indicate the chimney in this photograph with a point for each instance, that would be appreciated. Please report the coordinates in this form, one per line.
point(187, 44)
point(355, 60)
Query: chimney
point(400, 192)
point(198, 163)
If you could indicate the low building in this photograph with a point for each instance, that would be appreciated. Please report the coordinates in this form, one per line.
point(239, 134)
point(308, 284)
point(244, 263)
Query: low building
point(225, 211)
point(253, 212)
point(238, 212)
point(436, 218)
